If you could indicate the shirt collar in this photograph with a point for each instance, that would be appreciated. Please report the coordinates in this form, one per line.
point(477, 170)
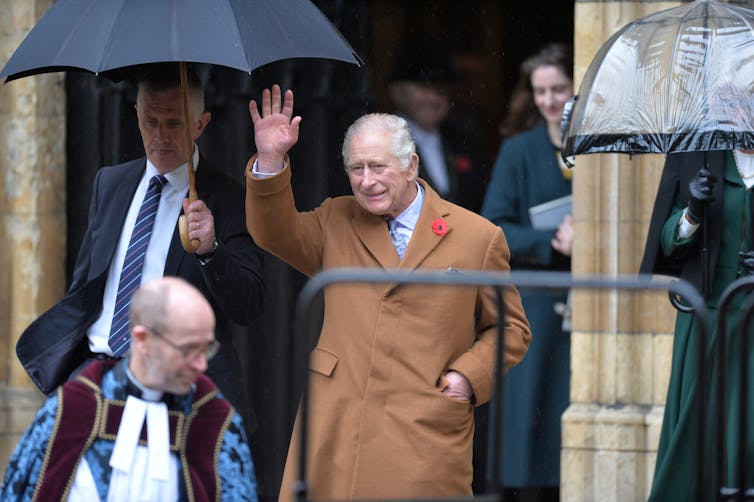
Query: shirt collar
point(410, 216)
point(138, 390)
point(177, 178)
point(420, 134)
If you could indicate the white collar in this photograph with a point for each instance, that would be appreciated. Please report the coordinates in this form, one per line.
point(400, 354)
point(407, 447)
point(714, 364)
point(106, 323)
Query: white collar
point(410, 216)
point(421, 135)
point(177, 178)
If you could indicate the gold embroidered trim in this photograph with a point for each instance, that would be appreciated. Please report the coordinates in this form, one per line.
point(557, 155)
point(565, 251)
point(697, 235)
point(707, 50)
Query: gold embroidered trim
point(218, 447)
point(50, 442)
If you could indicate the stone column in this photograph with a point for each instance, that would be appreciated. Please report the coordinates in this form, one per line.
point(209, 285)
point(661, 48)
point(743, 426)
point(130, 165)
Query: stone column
point(32, 214)
point(621, 341)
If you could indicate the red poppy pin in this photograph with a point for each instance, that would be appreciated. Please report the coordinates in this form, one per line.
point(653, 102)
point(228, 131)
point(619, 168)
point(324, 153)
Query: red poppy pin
point(463, 164)
point(440, 226)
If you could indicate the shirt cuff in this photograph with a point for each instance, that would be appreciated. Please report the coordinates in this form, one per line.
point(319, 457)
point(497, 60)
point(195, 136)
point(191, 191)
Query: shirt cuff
point(685, 228)
point(257, 174)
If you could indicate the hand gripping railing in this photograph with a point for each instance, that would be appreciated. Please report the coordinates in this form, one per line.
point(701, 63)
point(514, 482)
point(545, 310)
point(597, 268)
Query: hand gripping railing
point(306, 325)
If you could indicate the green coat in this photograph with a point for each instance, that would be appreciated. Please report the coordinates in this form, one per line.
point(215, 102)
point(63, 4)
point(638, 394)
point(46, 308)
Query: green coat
point(674, 476)
point(526, 174)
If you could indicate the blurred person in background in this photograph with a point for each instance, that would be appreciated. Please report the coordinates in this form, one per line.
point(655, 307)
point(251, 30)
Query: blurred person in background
point(421, 91)
point(528, 172)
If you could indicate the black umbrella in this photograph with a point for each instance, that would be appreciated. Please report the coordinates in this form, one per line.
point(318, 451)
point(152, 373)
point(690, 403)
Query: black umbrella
point(114, 37)
point(108, 35)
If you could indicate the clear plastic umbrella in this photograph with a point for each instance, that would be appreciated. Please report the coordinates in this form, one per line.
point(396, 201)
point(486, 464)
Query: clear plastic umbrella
point(678, 80)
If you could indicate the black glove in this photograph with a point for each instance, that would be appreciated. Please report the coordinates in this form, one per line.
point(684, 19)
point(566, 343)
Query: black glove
point(746, 261)
point(700, 189)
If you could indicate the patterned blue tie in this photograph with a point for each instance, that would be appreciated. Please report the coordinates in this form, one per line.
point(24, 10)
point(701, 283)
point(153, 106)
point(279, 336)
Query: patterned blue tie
point(399, 241)
point(130, 276)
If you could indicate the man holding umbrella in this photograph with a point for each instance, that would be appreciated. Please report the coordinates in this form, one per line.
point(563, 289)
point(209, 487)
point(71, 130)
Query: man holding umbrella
point(132, 237)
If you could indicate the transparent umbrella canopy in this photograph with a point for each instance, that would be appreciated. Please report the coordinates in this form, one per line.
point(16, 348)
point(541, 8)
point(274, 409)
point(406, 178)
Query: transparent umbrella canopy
point(678, 80)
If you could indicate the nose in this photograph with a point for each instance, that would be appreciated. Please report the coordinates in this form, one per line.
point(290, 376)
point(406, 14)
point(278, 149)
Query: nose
point(200, 363)
point(161, 132)
point(368, 178)
point(550, 99)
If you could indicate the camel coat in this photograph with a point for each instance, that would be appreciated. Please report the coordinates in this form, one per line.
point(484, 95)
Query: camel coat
point(379, 424)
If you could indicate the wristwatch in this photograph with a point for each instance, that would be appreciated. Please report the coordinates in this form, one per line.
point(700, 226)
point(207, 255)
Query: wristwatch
point(205, 258)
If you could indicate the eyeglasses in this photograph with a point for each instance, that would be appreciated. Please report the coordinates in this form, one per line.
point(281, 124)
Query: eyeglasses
point(190, 353)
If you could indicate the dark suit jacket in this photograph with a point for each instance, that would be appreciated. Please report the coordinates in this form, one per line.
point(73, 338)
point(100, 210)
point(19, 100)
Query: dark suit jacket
point(465, 168)
point(679, 170)
point(55, 344)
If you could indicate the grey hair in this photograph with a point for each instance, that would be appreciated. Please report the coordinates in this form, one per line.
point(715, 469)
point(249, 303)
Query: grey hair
point(149, 307)
point(166, 77)
point(402, 147)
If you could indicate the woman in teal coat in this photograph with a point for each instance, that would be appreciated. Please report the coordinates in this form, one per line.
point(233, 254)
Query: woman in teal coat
point(528, 173)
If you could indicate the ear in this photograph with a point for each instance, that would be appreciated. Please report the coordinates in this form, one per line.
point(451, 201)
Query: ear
point(139, 335)
point(413, 166)
point(202, 122)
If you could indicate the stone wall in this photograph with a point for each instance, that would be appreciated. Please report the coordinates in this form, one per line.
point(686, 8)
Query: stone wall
point(32, 214)
point(621, 341)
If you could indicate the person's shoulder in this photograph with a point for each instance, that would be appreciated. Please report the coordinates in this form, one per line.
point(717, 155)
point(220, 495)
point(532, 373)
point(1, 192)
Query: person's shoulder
point(219, 179)
point(467, 222)
point(342, 206)
point(125, 166)
point(118, 171)
point(537, 134)
point(523, 144)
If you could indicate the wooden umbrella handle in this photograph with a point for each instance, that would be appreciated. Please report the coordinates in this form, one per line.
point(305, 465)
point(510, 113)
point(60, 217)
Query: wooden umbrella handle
point(190, 245)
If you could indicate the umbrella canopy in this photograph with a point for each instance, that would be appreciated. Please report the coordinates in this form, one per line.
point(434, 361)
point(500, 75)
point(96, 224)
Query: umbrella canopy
point(114, 38)
point(105, 36)
point(678, 80)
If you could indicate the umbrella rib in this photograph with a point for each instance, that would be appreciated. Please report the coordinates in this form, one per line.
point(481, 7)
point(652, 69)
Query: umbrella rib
point(64, 43)
point(108, 45)
point(239, 35)
point(673, 56)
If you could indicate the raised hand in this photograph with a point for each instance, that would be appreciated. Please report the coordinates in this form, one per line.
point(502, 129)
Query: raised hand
point(275, 130)
point(700, 190)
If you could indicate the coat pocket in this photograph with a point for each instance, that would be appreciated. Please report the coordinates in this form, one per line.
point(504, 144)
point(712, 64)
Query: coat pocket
point(322, 361)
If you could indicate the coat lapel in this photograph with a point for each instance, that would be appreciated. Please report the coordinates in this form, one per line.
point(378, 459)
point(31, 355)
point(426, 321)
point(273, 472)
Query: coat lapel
point(373, 232)
point(115, 201)
point(424, 239)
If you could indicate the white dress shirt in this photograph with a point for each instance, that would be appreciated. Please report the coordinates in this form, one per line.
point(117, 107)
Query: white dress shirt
point(171, 203)
point(432, 158)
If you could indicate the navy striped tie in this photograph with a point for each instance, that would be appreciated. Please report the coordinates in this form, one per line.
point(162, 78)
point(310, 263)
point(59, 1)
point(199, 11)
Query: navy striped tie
point(130, 275)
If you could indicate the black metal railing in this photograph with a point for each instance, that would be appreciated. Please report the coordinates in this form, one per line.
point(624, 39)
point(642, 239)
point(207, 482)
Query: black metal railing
point(307, 324)
point(725, 489)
